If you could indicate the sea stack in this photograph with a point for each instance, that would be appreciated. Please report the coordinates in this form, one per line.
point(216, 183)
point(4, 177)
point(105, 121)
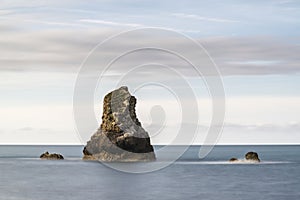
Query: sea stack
point(120, 137)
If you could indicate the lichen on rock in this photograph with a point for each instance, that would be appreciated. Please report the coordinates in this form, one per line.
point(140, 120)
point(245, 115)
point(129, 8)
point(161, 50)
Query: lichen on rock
point(120, 136)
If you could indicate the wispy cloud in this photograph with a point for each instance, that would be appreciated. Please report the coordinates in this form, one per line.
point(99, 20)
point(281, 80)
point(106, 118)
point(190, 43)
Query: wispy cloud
point(65, 49)
point(6, 12)
point(285, 1)
point(285, 128)
point(109, 23)
point(202, 18)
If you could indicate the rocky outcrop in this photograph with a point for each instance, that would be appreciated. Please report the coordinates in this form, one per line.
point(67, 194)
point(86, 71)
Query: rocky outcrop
point(51, 156)
point(120, 136)
point(252, 156)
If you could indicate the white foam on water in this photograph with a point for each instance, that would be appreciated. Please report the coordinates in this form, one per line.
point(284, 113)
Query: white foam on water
point(240, 162)
point(192, 162)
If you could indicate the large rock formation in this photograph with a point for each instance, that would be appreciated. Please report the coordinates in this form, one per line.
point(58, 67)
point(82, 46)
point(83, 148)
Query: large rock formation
point(120, 136)
point(51, 156)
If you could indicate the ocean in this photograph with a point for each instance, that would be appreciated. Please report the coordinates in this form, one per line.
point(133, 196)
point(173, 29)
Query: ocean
point(23, 176)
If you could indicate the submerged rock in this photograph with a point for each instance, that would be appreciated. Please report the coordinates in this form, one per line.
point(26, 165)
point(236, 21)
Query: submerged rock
point(51, 156)
point(120, 136)
point(252, 156)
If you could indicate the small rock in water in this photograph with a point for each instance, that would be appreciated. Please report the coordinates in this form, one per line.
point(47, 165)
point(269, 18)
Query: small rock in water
point(51, 156)
point(252, 156)
point(233, 160)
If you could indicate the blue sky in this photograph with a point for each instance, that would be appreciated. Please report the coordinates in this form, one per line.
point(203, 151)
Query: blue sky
point(256, 46)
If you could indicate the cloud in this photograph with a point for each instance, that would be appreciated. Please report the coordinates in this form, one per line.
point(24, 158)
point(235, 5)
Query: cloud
point(64, 50)
point(288, 133)
point(63, 24)
point(254, 55)
point(201, 18)
point(286, 128)
point(41, 42)
point(109, 23)
point(268, 128)
point(234, 133)
point(285, 1)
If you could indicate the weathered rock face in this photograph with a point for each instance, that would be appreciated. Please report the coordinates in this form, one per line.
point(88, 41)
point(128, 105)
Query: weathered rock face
point(51, 156)
point(252, 156)
point(120, 136)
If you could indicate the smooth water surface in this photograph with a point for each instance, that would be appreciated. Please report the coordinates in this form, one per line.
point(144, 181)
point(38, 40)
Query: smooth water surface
point(24, 176)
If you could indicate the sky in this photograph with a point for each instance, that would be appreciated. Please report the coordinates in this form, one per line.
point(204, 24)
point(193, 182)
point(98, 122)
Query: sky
point(255, 46)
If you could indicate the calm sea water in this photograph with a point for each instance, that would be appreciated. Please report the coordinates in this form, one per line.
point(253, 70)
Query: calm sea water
point(23, 176)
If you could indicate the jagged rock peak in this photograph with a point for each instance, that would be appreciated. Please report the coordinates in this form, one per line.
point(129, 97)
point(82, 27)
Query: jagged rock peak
point(120, 136)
